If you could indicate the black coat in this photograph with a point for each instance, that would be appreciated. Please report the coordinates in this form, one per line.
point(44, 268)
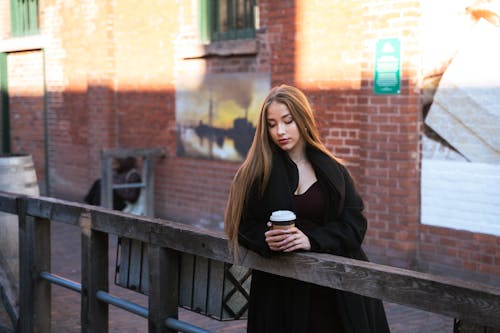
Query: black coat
point(279, 304)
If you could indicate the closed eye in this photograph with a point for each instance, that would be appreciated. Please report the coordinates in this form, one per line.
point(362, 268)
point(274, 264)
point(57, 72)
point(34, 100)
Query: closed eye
point(288, 119)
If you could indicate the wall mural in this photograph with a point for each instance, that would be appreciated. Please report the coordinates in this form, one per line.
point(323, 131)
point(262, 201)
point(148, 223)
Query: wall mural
point(216, 119)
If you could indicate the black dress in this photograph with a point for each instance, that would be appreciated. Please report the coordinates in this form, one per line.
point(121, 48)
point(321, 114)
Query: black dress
point(323, 313)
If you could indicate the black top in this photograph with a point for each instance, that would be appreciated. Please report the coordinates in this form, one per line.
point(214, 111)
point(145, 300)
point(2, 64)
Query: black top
point(310, 207)
point(323, 314)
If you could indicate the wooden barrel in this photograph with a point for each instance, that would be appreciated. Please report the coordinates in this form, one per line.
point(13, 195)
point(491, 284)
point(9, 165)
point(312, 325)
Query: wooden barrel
point(17, 175)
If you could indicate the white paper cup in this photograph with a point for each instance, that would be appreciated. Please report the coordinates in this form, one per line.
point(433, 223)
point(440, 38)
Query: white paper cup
point(282, 219)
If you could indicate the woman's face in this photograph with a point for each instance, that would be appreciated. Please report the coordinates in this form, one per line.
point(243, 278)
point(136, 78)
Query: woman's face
point(283, 129)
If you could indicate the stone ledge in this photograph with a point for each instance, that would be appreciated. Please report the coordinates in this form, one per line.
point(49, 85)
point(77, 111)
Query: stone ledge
point(222, 49)
point(28, 43)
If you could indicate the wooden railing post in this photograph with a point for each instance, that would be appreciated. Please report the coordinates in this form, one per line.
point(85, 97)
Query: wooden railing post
point(107, 183)
point(34, 257)
point(148, 177)
point(163, 287)
point(95, 314)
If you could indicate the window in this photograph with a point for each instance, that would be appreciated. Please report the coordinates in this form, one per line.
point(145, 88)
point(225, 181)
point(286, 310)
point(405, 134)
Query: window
point(227, 19)
point(24, 17)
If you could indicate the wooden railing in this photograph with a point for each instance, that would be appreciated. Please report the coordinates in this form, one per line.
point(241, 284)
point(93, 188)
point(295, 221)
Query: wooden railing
point(166, 239)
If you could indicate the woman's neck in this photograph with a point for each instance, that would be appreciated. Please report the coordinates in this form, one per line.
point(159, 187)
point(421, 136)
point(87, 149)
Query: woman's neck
point(298, 157)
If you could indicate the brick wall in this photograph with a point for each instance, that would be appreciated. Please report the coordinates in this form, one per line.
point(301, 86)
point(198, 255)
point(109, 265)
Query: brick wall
point(4, 18)
point(474, 256)
point(111, 72)
point(378, 137)
point(26, 99)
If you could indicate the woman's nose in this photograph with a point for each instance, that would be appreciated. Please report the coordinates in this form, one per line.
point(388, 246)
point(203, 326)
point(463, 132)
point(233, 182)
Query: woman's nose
point(281, 128)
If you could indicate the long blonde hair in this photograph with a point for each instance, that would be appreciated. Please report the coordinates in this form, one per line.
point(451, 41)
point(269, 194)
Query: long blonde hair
point(256, 168)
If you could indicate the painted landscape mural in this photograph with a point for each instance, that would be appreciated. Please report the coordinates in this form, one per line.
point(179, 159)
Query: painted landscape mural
point(216, 119)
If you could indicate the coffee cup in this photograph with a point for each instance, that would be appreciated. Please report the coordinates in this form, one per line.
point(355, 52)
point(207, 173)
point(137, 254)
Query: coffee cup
point(282, 219)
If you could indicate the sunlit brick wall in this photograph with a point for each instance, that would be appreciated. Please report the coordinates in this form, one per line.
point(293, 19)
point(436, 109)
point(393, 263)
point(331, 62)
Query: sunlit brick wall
point(377, 136)
point(79, 69)
point(4, 18)
point(26, 99)
point(390, 135)
point(144, 39)
point(328, 49)
point(111, 73)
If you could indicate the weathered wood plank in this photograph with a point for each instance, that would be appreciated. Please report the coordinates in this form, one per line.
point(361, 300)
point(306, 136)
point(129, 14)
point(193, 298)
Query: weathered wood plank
point(95, 313)
point(8, 202)
point(144, 286)
point(164, 286)
point(26, 261)
point(450, 297)
point(55, 209)
point(456, 298)
point(124, 261)
point(42, 289)
point(200, 287)
point(9, 295)
point(34, 252)
point(186, 280)
point(126, 152)
point(106, 183)
point(148, 176)
point(9, 282)
point(216, 280)
point(135, 275)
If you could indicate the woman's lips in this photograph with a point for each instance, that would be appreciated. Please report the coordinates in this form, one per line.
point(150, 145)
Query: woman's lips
point(283, 141)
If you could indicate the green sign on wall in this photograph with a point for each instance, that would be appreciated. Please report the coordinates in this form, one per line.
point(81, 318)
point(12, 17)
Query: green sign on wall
point(387, 78)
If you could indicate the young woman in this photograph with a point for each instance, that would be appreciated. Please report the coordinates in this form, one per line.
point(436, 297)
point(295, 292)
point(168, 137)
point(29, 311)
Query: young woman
point(289, 168)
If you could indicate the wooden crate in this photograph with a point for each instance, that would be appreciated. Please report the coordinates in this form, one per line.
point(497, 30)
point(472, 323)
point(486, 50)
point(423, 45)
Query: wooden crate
point(212, 288)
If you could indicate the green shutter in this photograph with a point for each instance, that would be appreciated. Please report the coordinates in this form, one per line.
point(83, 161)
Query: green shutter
point(24, 17)
point(205, 17)
point(33, 16)
point(238, 14)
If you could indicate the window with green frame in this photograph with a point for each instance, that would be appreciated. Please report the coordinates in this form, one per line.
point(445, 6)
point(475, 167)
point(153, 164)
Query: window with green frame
point(227, 19)
point(24, 17)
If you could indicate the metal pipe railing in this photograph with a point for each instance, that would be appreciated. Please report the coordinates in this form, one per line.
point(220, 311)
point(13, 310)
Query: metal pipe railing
point(122, 304)
point(171, 323)
point(60, 281)
point(137, 309)
point(182, 326)
point(129, 185)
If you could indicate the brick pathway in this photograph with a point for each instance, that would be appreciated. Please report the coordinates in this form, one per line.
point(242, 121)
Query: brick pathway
point(66, 303)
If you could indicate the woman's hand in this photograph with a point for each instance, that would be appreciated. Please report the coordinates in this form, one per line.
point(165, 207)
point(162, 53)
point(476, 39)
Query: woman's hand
point(287, 240)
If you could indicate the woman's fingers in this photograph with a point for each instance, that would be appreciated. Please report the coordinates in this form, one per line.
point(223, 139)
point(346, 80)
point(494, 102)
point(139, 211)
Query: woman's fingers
point(287, 240)
point(296, 242)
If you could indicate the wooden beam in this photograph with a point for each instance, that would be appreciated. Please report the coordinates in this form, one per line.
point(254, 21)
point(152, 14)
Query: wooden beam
point(8, 203)
point(451, 297)
point(148, 177)
point(106, 183)
point(446, 296)
point(139, 152)
point(164, 287)
point(94, 313)
point(42, 304)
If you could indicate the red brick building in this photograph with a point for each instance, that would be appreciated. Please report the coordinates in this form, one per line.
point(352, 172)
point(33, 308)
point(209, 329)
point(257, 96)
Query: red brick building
point(106, 74)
